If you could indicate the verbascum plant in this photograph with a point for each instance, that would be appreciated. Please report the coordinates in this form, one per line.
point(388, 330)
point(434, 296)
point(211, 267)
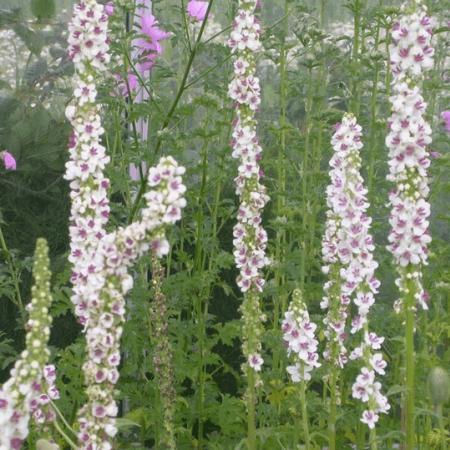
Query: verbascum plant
point(250, 238)
point(348, 248)
point(409, 135)
point(355, 252)
point(101, 260)
point(24, 393)
point(299, 337)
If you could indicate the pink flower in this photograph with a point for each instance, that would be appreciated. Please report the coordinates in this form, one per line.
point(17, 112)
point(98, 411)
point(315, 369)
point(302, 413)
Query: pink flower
point(8, 160)
point(150, 28)
point(149, 46)
point(109, 8)
point(131, 85)
point(446, 118)
point(134, 172)
point(197, 10)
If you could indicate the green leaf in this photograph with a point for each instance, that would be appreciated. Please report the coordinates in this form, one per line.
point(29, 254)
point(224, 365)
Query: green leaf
point(32, 40)
point(35, 71)
point(43, 9)
point(122, 422)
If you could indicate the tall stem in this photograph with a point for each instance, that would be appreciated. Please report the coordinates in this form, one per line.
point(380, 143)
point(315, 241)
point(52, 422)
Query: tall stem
point(14, 274)
point(305, 420)
point(373, 439)
point(355, 104)
point(373, 114)
point(410, 307)
point(333, 408)
point(251, 415)
point(305, 184)
point(280, 300)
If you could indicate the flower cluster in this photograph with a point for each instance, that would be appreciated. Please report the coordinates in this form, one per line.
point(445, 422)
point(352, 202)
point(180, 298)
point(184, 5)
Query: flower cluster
point(24, 391)
point(88, 46)
point(250, 239)
point(299, 337)
point(41, 410)
point(348, 249)
point(408, 138)
point(117, 251)
point(411, 50)
point(101, 260)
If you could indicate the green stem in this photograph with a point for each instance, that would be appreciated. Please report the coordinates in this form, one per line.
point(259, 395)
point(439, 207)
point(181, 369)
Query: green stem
point(280, 279)
point(355, 104)
point(373, 439)
point(333, 409)
point(373, 115)
point(305, 420)
point(63, 419)
point(305, 184)
point(251, 415)
point(14, 274)
point(64, 435)
point(410, 307)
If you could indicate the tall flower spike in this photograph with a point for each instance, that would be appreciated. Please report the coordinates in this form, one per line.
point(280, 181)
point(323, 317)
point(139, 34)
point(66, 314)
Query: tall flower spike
point(101, 260)
point(409, 135)
point(355, 254)
point(348, 249)
point(408, 138)
point(250, 239)
point(21, 393)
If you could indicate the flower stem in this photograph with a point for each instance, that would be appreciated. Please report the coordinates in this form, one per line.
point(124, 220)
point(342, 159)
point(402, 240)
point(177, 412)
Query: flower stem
point(410, 306)
point(14, 274)
point(332, 416)
point(280, 278)
point(251, 415)
point(373, 439)
point(305, 421)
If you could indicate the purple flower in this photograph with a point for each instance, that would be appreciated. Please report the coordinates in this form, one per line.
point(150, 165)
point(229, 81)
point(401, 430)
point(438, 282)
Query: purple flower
point(149, 46)
point(109, 8)
point(134, 172)
point(197, 10)
point(8, 160)
point(445, 115)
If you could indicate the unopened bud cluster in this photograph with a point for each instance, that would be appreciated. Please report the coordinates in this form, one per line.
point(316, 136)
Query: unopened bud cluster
point(25, 394)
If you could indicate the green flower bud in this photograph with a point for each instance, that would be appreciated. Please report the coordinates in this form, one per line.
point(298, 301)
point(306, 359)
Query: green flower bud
point(439, 385)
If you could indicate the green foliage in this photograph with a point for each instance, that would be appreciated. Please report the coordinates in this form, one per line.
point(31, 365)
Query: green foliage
point(43, 9)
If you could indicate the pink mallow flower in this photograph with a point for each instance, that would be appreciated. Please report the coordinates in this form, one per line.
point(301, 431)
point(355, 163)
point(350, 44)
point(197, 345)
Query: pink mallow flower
point(197, 10)
point(109, 8)
point(8, 160)
point(445, 115)
point(149, 46)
